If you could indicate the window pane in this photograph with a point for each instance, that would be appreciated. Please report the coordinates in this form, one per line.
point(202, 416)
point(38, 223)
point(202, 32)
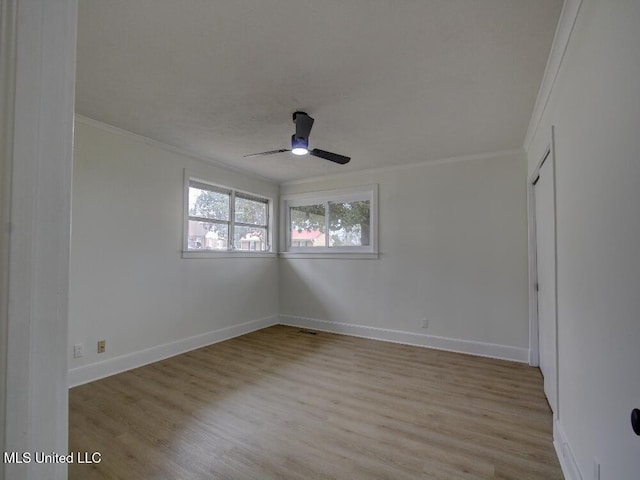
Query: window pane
point(208, 204)
point(307, 226)
point(251, 211)
point(207, 236)
point(349, 224)
point(252, 239)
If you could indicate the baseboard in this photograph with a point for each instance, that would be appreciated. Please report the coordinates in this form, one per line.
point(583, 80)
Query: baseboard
point(95, 371)
point(503, 352)
point(564, 453)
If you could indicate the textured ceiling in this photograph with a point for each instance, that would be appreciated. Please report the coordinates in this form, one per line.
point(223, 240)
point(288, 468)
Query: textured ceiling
point(389, 82)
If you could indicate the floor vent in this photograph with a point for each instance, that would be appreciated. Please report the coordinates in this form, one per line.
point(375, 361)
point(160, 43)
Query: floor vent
point(307, 332)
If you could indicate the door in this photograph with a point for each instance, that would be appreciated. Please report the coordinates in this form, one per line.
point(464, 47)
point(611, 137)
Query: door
point(546, 279)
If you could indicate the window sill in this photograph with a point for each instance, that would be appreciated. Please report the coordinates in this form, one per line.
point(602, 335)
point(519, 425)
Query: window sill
point(340, 255)
point(214, 254)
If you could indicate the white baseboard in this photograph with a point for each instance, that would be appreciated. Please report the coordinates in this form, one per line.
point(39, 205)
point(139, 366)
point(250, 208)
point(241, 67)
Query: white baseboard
point(503, 352)
point(565, 455)
point(95, 371)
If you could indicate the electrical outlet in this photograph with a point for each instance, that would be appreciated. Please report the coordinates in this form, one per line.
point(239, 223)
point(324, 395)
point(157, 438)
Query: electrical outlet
point(78, 350)
point(101, 346)
point(425, 322)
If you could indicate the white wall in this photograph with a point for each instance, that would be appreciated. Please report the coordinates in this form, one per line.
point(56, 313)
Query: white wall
point(129, 284)
point(595, 108)
point(452, 242)
point(453, 249)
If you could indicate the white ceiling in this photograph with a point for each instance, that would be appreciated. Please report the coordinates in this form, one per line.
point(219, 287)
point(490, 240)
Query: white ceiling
point(389, 82)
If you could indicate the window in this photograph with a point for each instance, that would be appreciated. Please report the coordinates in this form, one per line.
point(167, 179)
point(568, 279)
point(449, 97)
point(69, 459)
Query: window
point(220, 219)
point(332, 222)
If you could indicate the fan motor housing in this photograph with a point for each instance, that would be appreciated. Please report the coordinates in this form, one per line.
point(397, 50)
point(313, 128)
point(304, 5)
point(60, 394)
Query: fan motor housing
point(295, 114)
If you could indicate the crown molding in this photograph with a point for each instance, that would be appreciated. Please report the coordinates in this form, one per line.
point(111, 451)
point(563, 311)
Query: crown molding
point(566, 22)
point(211, 161)
point(169, 148)
point(422, 163)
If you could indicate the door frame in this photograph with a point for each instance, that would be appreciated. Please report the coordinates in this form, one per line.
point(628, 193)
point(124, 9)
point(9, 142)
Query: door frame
point(549, 156)
point(37, 85)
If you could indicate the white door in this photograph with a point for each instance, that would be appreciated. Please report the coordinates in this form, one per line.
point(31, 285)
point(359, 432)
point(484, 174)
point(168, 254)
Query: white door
point(545, 260)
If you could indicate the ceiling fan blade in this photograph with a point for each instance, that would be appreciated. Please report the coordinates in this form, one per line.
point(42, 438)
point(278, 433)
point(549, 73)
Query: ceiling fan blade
point(303, 124)
point(332, 157)
point(270, 152)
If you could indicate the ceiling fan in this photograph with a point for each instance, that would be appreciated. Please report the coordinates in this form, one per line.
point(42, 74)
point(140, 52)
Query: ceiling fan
point(300, 142)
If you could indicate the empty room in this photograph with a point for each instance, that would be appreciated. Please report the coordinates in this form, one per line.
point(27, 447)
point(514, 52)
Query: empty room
point(270, 239)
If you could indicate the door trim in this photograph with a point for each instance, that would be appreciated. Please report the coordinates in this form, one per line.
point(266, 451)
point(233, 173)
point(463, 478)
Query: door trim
point(534, 347)
point(37, 146)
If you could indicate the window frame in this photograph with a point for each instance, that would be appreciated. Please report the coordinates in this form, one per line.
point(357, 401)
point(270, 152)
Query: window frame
point(231, 251)
point(325, 197)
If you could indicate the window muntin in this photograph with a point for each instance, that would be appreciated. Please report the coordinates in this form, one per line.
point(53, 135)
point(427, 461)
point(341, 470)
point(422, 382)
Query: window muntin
point(224, 220)
point(339, 221)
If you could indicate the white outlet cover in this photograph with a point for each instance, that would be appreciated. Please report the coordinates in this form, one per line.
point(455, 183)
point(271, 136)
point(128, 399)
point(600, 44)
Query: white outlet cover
point(78, 350)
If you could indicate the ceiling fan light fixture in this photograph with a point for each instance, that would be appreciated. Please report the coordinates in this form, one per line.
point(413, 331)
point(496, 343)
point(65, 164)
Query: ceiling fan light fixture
point(299, 145)
point(300, 142)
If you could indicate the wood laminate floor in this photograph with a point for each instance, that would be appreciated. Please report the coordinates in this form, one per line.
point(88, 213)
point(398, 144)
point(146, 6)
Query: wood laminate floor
point(280, 404)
